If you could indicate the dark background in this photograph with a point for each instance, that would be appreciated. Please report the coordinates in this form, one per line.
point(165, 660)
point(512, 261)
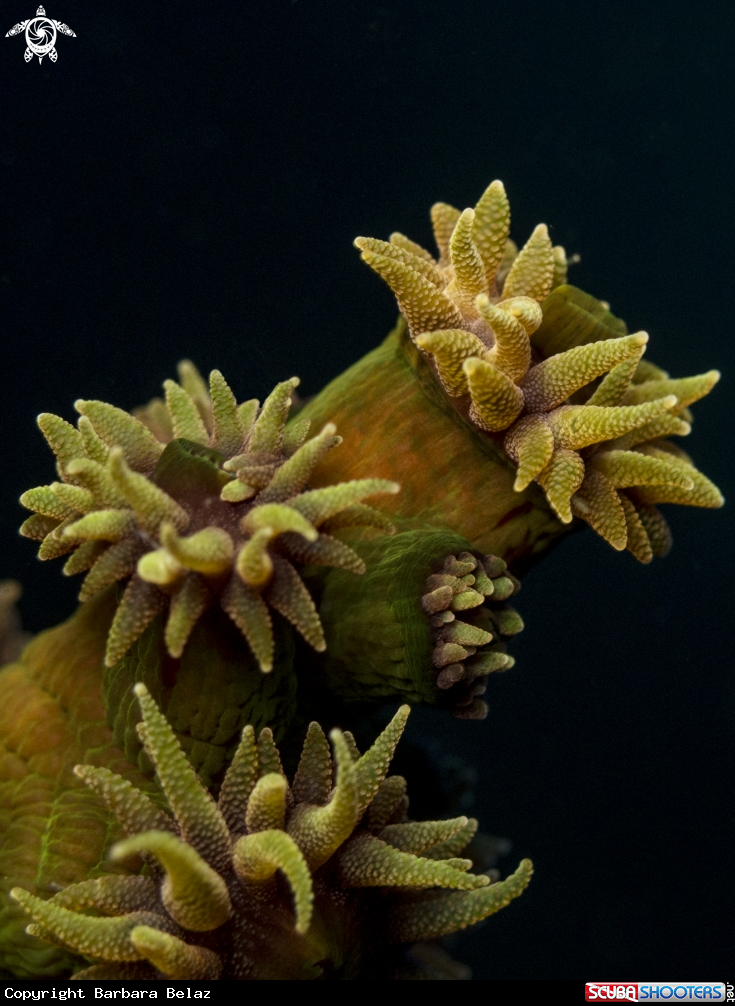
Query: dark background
point(186, 180)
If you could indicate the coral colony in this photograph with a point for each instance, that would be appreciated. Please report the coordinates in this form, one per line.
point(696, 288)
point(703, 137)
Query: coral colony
point(239, 591)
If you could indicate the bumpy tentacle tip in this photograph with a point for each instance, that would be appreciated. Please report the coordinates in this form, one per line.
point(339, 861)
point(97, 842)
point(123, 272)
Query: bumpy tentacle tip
point(337, 738)
point(173, 957)
point(75, 467)
point(119, 852)
point(401, 717)
point(278, 519)
point(140, 691)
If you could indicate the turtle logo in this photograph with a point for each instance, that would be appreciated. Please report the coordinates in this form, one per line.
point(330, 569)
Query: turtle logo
point(40, 35)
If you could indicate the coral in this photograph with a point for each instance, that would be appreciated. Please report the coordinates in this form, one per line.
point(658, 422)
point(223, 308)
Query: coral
point(427, 623)
point(316, 879)
point(519, 352)
point(209, 694)
point(468, 648)
point(197, 501)
point(213, 535)
point(398, 423)
point(53, 830)
point(60, 706)
point(243, 551)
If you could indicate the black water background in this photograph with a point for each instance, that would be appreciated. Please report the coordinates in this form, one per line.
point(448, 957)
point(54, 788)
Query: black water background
point(187, 181)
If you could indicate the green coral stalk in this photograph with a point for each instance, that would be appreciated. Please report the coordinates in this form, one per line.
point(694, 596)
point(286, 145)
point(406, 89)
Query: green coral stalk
point(194, 501)
point(358, 878)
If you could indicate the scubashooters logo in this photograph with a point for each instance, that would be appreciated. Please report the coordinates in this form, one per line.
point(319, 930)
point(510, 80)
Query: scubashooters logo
point(655, 991)
point(41, 34)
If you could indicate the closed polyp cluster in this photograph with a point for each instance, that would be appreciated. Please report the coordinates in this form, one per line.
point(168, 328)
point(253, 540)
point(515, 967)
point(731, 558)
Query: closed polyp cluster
point(470, 622)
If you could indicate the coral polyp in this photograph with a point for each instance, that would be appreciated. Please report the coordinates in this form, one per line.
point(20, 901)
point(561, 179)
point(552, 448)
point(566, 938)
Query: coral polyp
point(520, 353)
point(198, 501)
point(317, 879)
point(427, 623)
point(470, 623)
